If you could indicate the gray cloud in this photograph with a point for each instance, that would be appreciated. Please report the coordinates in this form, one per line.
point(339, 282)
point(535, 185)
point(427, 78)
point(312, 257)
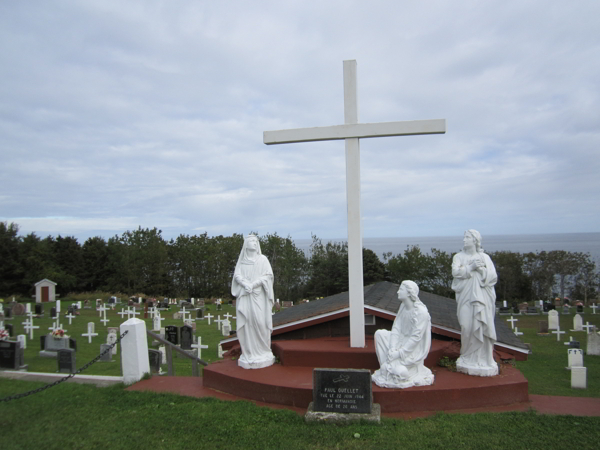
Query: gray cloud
point(116, 115)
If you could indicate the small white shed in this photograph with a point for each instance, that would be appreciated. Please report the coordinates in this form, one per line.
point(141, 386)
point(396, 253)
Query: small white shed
point(45, 291)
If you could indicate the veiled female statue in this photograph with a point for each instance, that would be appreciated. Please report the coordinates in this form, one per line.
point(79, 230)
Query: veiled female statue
point(252, 286)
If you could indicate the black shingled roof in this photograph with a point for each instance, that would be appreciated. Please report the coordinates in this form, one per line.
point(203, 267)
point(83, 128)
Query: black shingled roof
point(383, 296)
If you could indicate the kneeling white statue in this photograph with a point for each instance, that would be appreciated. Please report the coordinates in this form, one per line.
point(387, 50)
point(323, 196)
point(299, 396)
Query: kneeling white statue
point(252, 285)
point(402, 351)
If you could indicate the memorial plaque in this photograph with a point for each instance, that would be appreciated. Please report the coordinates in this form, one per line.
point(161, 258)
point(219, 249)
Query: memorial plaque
point(199, 314)
point(66, 360)
point(342, 391)
point(106, 357)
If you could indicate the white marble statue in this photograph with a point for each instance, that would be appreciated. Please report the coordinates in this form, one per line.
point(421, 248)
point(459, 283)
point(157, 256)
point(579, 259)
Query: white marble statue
point(402, 351)
point(252, 286)
point(474, 279)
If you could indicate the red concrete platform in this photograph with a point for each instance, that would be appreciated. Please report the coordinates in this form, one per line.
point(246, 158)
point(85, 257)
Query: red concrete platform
point(289, 383)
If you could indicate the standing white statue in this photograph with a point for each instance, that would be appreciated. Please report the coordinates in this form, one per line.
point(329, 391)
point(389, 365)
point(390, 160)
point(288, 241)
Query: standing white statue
point(252, 286)
point(402, 351)
point(474, 279)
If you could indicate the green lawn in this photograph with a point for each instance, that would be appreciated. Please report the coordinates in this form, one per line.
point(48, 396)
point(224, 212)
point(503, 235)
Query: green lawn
point(545, 368)
point(86, 352)
point(73, 416)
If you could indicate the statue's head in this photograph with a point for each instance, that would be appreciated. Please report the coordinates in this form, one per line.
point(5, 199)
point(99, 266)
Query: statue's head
point(476, 236)
point(412, 289)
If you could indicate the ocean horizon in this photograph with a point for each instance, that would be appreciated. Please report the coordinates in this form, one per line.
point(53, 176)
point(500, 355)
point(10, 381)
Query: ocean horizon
point(518, 243)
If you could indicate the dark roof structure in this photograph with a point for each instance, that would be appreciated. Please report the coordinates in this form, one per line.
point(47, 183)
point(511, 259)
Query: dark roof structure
point(381, 300)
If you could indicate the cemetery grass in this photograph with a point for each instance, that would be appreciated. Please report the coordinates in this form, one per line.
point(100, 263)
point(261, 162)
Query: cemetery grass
point(74, 416)
point(86, 352)
point(545, 368)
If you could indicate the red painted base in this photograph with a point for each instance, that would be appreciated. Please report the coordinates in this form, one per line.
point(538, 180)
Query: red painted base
point(290, 382)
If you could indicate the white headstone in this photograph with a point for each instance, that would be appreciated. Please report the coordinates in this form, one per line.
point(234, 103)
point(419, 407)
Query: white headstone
point(156, 323)
point(577, 323)
point(575, 357)
point(504, 304)
point(111, 338)
point(22, 338)
point(57, 306)
point(553, 320)
point(351, 132)
point(79, 305)
point(579, 377)
point(27, 308)
point(134, 351)
point(593, 344)
point(226, 327)
point(163, 352)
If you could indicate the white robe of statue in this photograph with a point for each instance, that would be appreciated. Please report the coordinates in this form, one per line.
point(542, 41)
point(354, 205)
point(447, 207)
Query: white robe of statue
point(474, 279)
point(402, 351)
point(252, 286)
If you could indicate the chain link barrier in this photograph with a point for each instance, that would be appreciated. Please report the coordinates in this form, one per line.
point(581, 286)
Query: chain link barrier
point(71, 375)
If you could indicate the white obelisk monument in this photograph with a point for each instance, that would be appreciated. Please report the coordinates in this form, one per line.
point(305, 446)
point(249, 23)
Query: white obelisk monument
point(351, 132)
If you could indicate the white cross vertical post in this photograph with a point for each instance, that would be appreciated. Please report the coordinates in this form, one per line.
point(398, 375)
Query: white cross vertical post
point(30, 328)
point(218, 320)
point(512, 321)
point(351, 132)
point(517, 332)
point(558, 333)
point(70, 317)
point(199, 346)
point(209, 316)
point(594, 308)
point(123, 313)
point(105, 319)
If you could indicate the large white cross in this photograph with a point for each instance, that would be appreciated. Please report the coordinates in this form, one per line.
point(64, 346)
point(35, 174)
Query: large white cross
point(351, 132)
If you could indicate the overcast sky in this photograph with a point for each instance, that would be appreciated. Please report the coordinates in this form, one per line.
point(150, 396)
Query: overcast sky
point(119, 114)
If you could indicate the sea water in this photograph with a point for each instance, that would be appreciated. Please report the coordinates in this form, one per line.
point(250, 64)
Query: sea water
point(517, 243)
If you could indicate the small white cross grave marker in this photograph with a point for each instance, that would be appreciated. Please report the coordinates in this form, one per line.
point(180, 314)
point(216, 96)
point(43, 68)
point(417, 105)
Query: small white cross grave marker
point(569, 341)
point(105, 319)
point(512, 321)
point(90, 333)
point(124, 313)
point(219, 320)
point(29, 326)
point(70, 317)
point(134, 313)
point(558, 333)
point(594, 308)
point(587, 327)
point(352, 131)
point(199, 346)
point(209, 316)
point(517, 332)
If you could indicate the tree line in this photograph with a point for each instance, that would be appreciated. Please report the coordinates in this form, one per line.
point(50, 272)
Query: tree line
point(143, 262)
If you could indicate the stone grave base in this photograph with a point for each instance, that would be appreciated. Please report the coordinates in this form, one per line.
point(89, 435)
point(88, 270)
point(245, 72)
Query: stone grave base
point(337, 418)
point(47, 354)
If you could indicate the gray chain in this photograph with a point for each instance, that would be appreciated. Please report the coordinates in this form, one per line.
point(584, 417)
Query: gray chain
point(71, 375)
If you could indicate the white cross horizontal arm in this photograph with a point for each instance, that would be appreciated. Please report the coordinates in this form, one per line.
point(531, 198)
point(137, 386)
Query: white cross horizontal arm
point(355, 130)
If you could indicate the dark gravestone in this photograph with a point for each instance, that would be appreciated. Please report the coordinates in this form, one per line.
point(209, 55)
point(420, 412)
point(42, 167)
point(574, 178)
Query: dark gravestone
point(53, 312)
point(230, 302)
point(172, 334)
point(165, 303)
point(18, 309)
point(516, 310)
point(574, 344)
point(73, 344)
point(66, 360)
point(9, 355)
point(9, 328)
point(566, 309)
point(7, 313)
point(186, 334)
point(546, 307)
point(155, 358)
point(199, 314)
point(543, 327)
point(71, 310)
point(342, 391)
point(532, 310)
point(43, 342)
point(504, 310)
point(579, 308)
point(150, 304)
point(39, 309)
